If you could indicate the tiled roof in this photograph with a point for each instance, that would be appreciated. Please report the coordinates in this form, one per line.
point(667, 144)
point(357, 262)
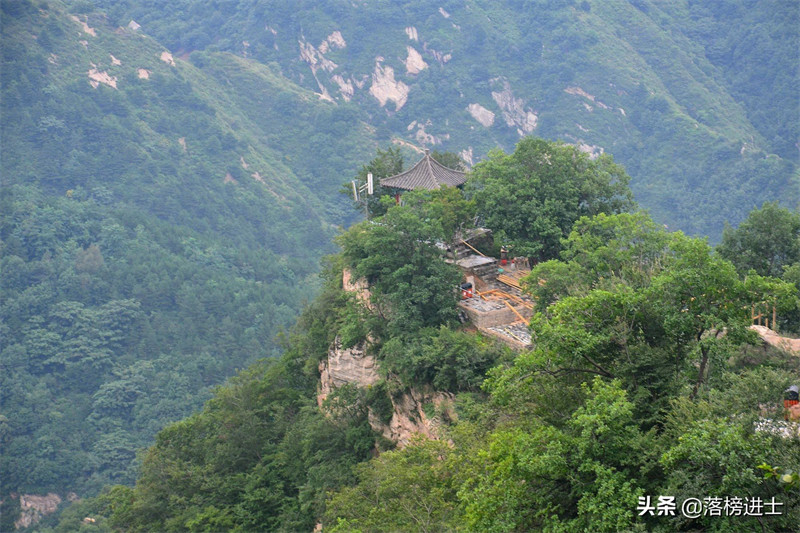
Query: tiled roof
point(427, 174)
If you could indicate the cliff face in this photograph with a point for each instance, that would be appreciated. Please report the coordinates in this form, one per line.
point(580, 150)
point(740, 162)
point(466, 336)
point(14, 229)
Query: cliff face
point(34, 507)
point(409, 418)
point(346, 365)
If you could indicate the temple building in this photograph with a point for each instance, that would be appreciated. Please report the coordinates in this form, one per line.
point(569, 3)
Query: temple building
point(426, 174)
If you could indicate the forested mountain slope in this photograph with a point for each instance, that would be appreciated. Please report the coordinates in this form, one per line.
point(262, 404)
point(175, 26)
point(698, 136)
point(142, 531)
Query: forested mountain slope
point(161, 224)
point(170, 176)
point(698, 100)
point(629, 396)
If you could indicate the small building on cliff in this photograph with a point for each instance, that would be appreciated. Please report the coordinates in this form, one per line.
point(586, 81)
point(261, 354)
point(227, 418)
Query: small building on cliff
point(426, 174)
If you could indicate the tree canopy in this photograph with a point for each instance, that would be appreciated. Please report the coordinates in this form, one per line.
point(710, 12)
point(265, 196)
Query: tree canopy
point(411, 286)
point(767, 241)
point(532, 196)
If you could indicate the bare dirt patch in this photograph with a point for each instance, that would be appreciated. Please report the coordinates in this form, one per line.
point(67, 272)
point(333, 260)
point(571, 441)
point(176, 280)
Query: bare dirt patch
point(86, 28)
point(96, 78)
point(167, 58)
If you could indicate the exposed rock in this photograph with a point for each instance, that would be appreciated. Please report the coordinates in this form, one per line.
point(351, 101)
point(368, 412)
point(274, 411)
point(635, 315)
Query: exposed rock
point(414, 63)
point(580, 92)
point(441, 57)
point(362, 82)
point(115, 61)
point(358, 286)
point(384, 87)
point(514, 111)
point(411, 31)
point(403, 142)
point(444, 13)
point(423, 136)
point(314, 58)
point(34, 507)
point(182, 142)
point(308, 53)
point(167, 58)
point(229, 179)
point(346, 88)
point(409, 417)
point(324, 94)
point(96, 78)
point(773, 339)
point(428, 138)
point(353, 366)
point(243, 162)
point(143, 73)
point(86, 28)
point(334, 40)
point(133, 25)
point(594, 151)
point(481, 114)
point(467, 156)
point(343, 366)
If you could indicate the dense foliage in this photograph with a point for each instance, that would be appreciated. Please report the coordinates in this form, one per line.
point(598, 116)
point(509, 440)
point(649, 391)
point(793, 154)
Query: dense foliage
point(767, 241)
point(157, 231)
point(115, 324)
point(630, 392)
point(410, 286)
point(161, 220)
point(643, 382)
point(262, 455)
point(532, 196)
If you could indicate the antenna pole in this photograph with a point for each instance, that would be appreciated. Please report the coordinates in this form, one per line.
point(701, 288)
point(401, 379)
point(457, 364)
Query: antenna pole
point(362, 193)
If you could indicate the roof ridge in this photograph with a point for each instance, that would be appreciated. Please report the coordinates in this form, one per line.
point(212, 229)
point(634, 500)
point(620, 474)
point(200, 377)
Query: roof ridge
point(427, 173)
point(427, 159)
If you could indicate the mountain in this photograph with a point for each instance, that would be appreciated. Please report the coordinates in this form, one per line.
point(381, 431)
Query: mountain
point(401, 404)
point(161, 224)
point(170, 173)
point(697, 100)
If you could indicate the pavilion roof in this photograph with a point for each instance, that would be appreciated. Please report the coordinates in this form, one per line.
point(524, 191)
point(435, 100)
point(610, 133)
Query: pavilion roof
point(426, 174)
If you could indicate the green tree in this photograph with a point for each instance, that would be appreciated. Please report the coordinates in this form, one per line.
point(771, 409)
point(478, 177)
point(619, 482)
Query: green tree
point(447, 359)
point(446, 210)
point(602, 252)
point(645, 307)
point(450, 160)
point(405, 490)
point(411, 286)
point(533, 196)
point(578, 476)
point(767, 241)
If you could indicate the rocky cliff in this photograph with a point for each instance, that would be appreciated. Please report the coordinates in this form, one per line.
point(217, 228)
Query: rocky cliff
point(413, 409)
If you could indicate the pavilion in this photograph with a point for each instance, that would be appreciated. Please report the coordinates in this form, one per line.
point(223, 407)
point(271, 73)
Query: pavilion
point(426, 174)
